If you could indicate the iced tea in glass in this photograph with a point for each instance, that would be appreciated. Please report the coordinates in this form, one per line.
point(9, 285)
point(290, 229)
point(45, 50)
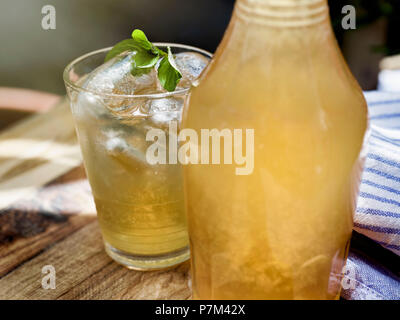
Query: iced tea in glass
point(139, 204)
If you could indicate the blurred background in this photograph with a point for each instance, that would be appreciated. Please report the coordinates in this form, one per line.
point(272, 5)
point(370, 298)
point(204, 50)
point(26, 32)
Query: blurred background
point(33, 58)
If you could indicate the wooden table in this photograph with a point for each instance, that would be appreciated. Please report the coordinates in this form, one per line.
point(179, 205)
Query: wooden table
point(47, 217)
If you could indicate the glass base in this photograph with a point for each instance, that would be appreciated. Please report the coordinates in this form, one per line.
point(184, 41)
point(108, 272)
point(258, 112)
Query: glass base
point(148, 263)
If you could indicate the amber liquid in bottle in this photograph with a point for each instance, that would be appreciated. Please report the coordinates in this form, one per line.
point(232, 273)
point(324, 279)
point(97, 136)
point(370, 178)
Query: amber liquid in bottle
point(281, 232)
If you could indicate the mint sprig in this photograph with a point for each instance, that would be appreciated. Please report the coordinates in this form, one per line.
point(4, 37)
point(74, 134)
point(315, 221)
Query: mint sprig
point(146, 57)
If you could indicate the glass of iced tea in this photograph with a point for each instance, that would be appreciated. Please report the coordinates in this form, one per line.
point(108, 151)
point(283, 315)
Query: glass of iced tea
point(117, 115)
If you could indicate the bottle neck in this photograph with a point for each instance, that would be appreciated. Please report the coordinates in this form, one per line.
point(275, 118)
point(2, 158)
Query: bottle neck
point(283, 13)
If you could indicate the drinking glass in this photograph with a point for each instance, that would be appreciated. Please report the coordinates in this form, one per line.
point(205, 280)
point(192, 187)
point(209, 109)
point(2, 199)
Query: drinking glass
point(139, 203)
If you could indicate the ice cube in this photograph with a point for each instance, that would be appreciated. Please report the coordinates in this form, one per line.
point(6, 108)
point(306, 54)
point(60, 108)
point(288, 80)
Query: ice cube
point(164, 110)
point(125, 146)
point(191, 65)
point(89, 106)
point(112, 84)
point(114, 77)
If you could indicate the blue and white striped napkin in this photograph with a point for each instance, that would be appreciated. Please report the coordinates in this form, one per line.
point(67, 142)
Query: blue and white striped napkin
point(378, 206)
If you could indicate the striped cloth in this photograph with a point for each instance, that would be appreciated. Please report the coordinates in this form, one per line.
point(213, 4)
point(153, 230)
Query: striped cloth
point(378, 206)
point(367, 280)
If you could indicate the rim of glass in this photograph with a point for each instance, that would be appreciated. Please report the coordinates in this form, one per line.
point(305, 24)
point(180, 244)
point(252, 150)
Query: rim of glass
point(78, 88)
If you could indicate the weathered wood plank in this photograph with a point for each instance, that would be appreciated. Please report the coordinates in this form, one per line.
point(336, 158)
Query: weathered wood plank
point(84, 271)
point(56, 210)
point(15, 253)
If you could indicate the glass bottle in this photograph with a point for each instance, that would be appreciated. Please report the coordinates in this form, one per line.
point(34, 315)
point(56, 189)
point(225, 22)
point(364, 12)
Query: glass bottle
point(281, 232)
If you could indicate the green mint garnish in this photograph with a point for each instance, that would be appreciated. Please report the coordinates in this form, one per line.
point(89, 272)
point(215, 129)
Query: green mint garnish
point(146, 58)
point(168, 72)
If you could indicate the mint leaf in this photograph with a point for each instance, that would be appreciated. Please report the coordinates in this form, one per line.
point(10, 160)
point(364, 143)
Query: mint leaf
point(137, 72)
point(146, 57)
point(124, 45)
point(158, 51)
point(168, 72)
point(172, 62)
point(140, 38)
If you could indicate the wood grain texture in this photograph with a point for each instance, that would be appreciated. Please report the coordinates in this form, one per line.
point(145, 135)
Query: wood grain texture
point(14, 254)
point(84, 271)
